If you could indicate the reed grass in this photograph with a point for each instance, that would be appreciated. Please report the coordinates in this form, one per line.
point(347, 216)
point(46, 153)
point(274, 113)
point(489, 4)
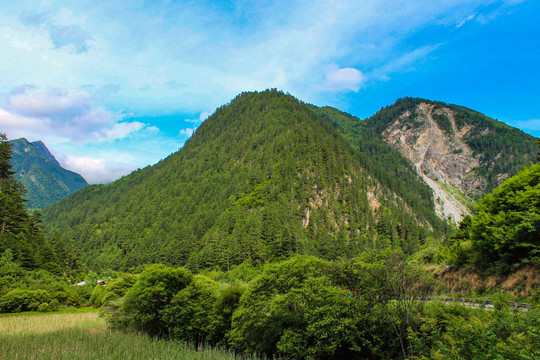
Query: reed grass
point(85, 336)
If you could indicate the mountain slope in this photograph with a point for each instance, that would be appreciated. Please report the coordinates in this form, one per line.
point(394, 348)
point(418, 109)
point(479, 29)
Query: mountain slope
point(262, 178)
point(45, 151)
point(44, 179)
point(400, 177)
point(460, 153)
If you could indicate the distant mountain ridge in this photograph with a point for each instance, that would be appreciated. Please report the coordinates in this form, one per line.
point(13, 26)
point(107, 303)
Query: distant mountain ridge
point(45, 180)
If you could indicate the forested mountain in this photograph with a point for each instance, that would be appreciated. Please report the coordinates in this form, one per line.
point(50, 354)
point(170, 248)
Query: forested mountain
point(22, 241)
point(44, 179)
point(460, 153)
point(264, 177)
point(391, 168)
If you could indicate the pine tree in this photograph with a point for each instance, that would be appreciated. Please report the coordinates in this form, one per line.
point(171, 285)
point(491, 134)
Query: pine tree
point(21, 232)
point(13, 215)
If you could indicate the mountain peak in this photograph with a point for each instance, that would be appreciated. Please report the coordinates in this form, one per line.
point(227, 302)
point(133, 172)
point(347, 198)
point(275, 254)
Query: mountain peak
point(460, 153)
point(45, 151)
point(262, 178)
point(44, 179)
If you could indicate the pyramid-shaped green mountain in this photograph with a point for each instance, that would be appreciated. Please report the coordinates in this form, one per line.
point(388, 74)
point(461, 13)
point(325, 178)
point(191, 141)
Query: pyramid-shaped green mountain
point(264, 177)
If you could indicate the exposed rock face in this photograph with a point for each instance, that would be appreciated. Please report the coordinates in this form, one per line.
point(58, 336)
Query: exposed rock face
point(440, 155)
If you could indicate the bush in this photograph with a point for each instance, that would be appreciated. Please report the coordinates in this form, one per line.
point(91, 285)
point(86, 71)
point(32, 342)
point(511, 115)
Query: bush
point(457, 332)
point(228, 300)
point(18, 300)
point(187, 317)
point(151, 294)
point(294, 310)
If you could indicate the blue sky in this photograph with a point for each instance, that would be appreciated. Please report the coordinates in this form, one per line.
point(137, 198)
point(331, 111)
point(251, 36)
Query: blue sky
point(111, 86)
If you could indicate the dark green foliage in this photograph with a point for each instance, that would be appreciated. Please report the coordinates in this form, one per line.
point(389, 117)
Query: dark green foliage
point(113, 290)
point(23, 300)
point(150, 295)
point(44, 179)
point(503, 149)
point(260, 321)
point(308, 308)
point(301, 308)
point(396, 285)
point(458, 332)
point(20, 232)
point(375, 154)
point(188, 316)
point(263, 178)
point(443, 122)
point(506, 229)
point(227, 301)
point(24, 290)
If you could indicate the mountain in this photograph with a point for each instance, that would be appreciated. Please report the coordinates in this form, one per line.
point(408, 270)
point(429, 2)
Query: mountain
point(45, 151)
point(460, 153)
point(22, 242)
point(45, 180)
point(262, 178)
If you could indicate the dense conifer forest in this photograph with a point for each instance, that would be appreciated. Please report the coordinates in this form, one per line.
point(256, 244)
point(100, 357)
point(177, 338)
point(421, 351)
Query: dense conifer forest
point(263, 178)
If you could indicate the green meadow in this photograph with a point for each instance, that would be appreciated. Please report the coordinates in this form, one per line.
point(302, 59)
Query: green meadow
point(85, 336)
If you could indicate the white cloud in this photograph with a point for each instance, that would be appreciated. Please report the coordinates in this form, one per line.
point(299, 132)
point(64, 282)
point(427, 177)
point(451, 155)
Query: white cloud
point(187, 131)
point(65, 114)
point(405, 62)
point(10, 121)
point(31, 101)
point(121, 130)
point(339, 79)
point(202, 116)
point(467, 19)
point(97, 170)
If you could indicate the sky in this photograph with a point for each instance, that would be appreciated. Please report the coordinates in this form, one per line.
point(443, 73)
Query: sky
point(112, 86)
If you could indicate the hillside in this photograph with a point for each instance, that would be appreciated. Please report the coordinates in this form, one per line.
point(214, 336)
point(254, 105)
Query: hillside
point(45, 180)
point(460, 153)
point(376, 154)
point(264, 177)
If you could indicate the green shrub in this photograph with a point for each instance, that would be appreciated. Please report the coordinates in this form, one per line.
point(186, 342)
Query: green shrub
point(97, 296)
point(187, 317)
point(151, 294)
point(458, 332)
point(295, 310)
point(18, 300)
point(228, 300)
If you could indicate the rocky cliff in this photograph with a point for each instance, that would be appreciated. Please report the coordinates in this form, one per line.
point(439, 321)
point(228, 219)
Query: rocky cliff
point(439, 158)
point(461, 154)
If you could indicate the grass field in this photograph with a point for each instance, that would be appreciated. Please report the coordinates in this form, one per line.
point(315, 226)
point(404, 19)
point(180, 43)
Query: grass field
point(76, 336)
